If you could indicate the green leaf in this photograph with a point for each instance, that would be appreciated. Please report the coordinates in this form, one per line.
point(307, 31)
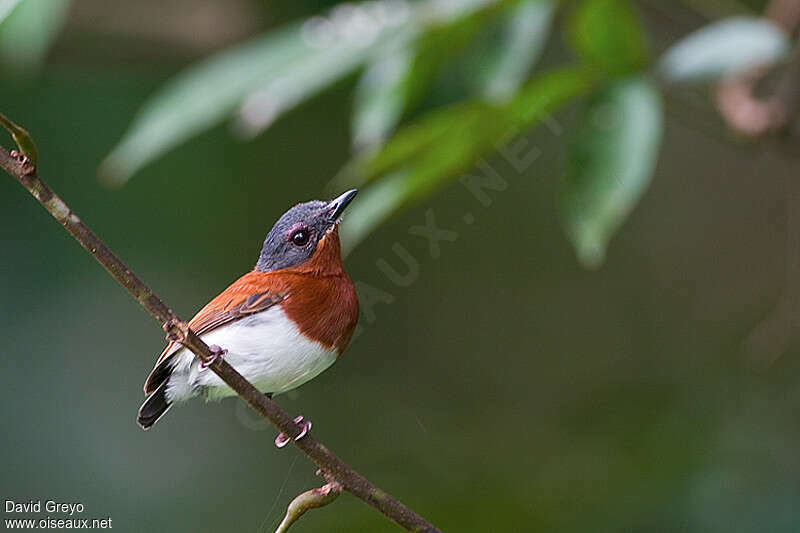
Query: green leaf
point(439, 42)
point(723, 48)
point(276, 72)
point(401, 74)
point(6, 6)
point(437, 147)
point(260, 80)
point(21, 137)
point(380, 97)
point(466, 125)
point(611, 164)
point(524, 33)
point(27, 29)
point(608, 35)
point(201, 97)
point(297, 83)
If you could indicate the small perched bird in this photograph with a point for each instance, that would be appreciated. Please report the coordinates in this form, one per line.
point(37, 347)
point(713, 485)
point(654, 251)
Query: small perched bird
point(279, 325)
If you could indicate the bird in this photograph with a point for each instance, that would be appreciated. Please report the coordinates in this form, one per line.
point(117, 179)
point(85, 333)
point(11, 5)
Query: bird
point(280, 325)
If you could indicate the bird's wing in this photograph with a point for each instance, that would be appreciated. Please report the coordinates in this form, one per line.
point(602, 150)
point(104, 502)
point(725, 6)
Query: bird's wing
point(252, 293)
point(230, 308)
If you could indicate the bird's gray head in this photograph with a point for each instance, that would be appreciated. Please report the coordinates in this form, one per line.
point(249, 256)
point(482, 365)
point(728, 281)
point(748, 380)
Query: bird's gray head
point(294, 237)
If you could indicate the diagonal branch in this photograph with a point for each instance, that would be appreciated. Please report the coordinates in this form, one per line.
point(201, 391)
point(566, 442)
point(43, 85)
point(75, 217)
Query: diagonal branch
point(21, 168)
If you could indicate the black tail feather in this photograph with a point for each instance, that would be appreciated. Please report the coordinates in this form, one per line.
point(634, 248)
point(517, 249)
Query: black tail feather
point(154, 407)
point(159, 375)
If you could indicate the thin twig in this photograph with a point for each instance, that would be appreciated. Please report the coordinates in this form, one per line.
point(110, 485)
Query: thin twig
point(736, 96)
point(23, 169)
point(310, 499)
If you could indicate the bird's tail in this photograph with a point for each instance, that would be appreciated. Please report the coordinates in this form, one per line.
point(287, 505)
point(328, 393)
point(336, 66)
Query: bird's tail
point(154, 406)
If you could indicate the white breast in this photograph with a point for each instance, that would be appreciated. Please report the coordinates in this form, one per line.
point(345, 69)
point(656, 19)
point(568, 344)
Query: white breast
point(266, 348)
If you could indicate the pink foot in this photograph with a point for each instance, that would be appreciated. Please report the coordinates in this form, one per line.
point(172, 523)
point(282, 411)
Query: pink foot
point(21, 158)
point(217, 354)
point(305, 425)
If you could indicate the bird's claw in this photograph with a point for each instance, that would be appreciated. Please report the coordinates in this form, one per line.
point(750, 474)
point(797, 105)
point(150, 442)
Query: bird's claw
point(20, 157)
point(305, 426)
point(216, 352)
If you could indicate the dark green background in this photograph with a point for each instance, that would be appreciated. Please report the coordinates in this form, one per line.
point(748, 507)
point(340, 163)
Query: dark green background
point(506, 389)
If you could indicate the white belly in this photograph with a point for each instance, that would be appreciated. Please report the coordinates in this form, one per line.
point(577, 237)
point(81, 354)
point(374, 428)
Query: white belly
point(266, 348)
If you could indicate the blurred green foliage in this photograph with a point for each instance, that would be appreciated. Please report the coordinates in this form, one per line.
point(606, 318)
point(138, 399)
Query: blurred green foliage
point(27, 29)
point(401, 48)
point(607, 35)
point(435, 148)
point(610, 164)
point(722, 48)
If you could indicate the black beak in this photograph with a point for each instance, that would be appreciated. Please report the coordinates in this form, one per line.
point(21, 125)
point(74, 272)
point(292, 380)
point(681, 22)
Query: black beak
point(338, 204)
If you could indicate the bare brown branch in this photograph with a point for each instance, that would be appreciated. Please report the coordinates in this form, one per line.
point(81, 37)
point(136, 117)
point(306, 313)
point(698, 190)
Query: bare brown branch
point(24, 171)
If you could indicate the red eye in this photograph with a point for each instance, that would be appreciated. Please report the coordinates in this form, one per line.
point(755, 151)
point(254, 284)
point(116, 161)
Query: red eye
point(300, 237)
